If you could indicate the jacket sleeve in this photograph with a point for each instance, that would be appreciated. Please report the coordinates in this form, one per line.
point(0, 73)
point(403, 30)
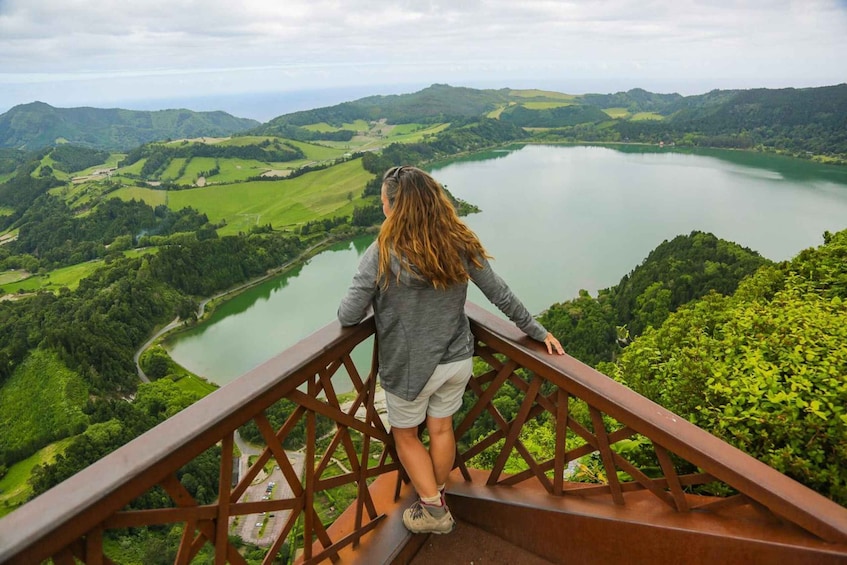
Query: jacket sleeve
point(356, 303)
point(495, 289)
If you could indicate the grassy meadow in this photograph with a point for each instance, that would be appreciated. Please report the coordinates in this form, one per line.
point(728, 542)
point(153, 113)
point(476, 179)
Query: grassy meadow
point(53, 281)
point(358, 126)
point(281, 203)
point(535, 93)
point(616, 113)
point(14, 485)
point(641, 116)
point(546, 105)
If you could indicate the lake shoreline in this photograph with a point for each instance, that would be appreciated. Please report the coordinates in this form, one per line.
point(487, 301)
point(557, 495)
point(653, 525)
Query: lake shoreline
point(599, 210)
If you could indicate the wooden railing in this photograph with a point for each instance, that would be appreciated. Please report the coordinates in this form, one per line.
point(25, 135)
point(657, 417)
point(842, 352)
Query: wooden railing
point(69, 522)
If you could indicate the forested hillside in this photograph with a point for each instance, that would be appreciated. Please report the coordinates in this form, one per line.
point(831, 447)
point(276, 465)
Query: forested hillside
point(803, 122)
point(36, 125)
point(675, 273)
point(762, 368)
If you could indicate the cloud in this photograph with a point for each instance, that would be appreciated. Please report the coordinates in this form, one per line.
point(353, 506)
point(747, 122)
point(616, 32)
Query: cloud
point(162, 47)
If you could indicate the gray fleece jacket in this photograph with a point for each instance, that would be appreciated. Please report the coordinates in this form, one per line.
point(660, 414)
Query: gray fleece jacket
point(419, 327)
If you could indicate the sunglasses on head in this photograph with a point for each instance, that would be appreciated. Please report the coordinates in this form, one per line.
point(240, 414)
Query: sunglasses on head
point(395, 173)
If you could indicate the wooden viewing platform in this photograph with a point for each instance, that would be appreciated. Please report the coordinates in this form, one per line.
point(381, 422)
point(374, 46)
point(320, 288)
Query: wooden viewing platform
point(535, 515)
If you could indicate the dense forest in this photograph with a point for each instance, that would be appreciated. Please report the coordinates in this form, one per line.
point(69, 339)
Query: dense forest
point(762, 367)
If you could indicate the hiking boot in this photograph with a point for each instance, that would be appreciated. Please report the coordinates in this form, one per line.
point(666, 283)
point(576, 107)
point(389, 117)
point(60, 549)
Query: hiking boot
point(418, 519)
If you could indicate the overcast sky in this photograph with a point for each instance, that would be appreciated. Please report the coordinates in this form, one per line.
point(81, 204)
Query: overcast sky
point(150, 52)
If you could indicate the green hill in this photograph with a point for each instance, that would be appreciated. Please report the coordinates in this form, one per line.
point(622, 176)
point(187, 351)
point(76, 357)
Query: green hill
point(675, 273)
point(27, 424)
point(762, 368)
point(37, 125)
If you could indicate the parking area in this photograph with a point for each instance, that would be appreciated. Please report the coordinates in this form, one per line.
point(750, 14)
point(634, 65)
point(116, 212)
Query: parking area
point(263, 528)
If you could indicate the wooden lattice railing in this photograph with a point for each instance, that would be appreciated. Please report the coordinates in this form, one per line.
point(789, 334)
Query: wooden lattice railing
point(68, 522)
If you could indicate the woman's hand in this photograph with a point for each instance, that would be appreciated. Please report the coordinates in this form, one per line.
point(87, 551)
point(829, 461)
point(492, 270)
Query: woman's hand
point(552, 343)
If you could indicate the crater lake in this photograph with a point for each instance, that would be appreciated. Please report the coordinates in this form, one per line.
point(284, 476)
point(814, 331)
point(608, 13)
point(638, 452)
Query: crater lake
point(556, 219)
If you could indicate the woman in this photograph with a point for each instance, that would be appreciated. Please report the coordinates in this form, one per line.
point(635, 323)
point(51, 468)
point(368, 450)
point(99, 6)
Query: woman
point(415, 275)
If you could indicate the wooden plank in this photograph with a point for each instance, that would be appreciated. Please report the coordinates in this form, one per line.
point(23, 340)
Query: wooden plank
point(671, 476)
point(224, 485)
point(561, 440)
point(606, 455)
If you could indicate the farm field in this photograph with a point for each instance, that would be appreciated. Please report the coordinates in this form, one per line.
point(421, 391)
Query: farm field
point(616, 113)
point(546, 105)
point(53, 281)
point(282, 203)
point(358, 125)
point(8, 277)
point(194, 167)
point(535, 93)
point(412, 133)
point(641, 116)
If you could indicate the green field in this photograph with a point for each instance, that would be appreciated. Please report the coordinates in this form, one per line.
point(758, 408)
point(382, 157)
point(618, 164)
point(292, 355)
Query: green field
point(14, 486)
point(111, 162)
point(412, 133)
point(358, 125)
point(495, 114)
point(642, 116)
point(318, 152)
point(53, 281)
point(150, 196)
point(242, 140)
point(617, 113)
point(171, 172)
point(80, 195)
point(545, 105)
point(533, 93)
point(195, 385)
point(14, 276)
point(196, 166)
point(134, 169)
point(281, 203)
point(235, 170)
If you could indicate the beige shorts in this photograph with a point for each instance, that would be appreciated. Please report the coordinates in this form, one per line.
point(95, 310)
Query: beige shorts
point(441, 397)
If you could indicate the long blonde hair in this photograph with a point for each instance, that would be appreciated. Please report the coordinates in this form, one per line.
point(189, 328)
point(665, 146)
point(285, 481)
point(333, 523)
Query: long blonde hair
point(424, 231)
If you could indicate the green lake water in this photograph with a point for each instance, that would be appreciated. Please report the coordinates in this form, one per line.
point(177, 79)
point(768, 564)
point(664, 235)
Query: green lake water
point(557, 219)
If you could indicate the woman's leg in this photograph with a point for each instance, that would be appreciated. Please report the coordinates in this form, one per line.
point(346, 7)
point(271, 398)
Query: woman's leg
point(416, 461)
point(442, 446)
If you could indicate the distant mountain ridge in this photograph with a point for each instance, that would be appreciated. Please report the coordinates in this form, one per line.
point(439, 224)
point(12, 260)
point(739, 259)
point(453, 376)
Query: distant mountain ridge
point(800, 120)
point(735, 118)
point(36, 125)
